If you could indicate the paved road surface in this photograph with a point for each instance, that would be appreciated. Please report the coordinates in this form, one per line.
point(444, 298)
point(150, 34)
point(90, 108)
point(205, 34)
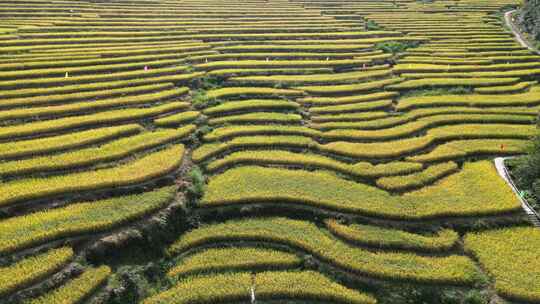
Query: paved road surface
point(517, 33)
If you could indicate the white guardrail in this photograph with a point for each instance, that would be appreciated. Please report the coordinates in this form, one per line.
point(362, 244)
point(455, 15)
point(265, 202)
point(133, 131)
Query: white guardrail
point(503, 172)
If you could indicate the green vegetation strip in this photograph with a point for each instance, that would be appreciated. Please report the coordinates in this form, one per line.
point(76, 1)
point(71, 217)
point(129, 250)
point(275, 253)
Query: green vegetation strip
point(474, 191)
point(386, 238)
point(32, 269)
point(78, 289)
point(511, 256)
point(236, 258)
point(141, 170)
point(275, 285)
point(308, 237)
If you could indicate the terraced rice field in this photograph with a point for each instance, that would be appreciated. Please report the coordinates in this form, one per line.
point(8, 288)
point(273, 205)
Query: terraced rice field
point(268, 151)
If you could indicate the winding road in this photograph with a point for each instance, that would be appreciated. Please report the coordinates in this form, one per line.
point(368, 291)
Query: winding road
point(517, 32)
point(503, 172)
point(499, 161)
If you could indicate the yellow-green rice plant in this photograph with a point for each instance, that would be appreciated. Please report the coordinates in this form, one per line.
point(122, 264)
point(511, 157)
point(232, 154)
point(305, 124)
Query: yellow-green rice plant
point(511, 257)
point(114, 116)
point(314, 79)
point(266, 71)
point(474, 191)
point(348, 88)
point(292, 55)
point(89, 107)
point(81, 70)
point(420, 68)
point(238, 92)
point(475, 147)
point(450, 82)
point(252, 64)
point(235, 258)
point(77, 96)
point(286, 158)
point(307, 237)
point(31, 63)
point(78, 219)
point(379, 237)
point(294, 47)
point(288, 36)
point(212, 149)
point(432, 122)
point(399, 148)
point(506, 89)
point(250, 130)
point(86, 88)
point(78, 289)
point(65, 142)
point(322, 101)
point(112, 151)
point(351, 108)
point(131, 78)
point(177, 119)
point(251, 105)
point(271, 285)
point(320, 121)
point(32, 269)
point(141, 170)
point(258, 117)
point(419, 179)
point(491, 74)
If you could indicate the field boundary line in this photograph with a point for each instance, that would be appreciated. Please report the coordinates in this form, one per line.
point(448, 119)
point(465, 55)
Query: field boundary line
point(503, 172)
point(517, 32)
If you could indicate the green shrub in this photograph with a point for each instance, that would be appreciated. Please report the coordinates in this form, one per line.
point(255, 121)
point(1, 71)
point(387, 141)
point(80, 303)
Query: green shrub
point(198, 182)
point(527, 171)
point(395, 47)
point(372, 26)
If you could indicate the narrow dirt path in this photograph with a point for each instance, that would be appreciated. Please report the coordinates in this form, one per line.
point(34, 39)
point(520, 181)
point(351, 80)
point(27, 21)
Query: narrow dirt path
point(517, 32)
